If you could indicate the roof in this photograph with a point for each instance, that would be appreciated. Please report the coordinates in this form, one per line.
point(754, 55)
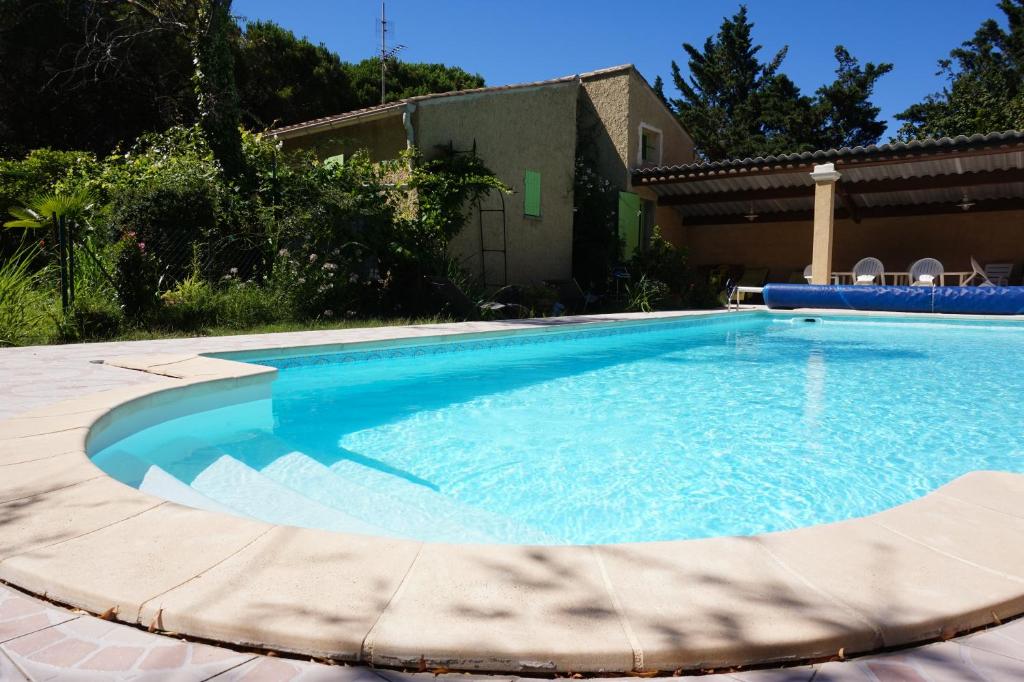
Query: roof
point(349, 117)
point(931, 175)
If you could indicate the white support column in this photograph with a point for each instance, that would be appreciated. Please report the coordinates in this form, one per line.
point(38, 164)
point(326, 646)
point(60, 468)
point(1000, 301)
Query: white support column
point(825, 177)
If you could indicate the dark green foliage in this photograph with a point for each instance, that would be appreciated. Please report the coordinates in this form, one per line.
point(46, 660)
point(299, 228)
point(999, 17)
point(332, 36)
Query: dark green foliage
point(406, 79)
point(596, 246)
point(87, 74)
point(986, 84)
point(284, 79)
point(736, 106)
point(95, 74)
point(214, 81)
point(136, 277)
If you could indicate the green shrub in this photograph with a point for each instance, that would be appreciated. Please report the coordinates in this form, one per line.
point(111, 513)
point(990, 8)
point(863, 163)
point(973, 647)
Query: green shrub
point(644, 295)
point(24, 303)
point(93, 316)
point(191, 305)
point(245, 304)
point(136, 278)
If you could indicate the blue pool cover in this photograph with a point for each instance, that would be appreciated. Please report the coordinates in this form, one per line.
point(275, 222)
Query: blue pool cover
point(902, 299)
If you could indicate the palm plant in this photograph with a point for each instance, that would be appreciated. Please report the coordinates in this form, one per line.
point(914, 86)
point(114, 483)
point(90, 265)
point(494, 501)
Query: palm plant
point(40, 211)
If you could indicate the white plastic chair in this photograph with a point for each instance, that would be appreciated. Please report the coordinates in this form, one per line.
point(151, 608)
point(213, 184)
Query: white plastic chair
point(807, 274)
point(926, 272)
point(978, 272)
point(867, 270)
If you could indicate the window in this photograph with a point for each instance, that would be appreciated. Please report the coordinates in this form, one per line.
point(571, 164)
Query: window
point(650, 145)
point(531, 194)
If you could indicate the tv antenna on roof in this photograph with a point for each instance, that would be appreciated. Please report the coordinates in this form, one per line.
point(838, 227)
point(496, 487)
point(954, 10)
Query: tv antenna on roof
point(385, 53)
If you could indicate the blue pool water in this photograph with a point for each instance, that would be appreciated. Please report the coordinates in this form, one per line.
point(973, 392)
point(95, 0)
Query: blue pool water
point(735, 425)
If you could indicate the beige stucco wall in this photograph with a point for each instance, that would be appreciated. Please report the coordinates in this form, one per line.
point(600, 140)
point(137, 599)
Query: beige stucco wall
point(515, 131)
point(384, 138)
point(646, 109)
point(996, 236)
point(604, 120)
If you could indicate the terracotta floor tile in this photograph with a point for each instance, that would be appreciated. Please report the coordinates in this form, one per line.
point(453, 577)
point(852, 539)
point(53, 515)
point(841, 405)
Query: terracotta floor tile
point(64, 654)
point(34, 642)
point(113, 658)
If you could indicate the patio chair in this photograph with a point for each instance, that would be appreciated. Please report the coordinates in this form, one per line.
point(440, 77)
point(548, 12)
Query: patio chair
point(925, 272)
point(999, 273)
point(752, 278)
point(571, 294)
point(867, 270)
point(807, 274)
point(979, 273)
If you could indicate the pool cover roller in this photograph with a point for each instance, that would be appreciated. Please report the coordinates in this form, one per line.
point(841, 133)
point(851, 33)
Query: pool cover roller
point(900, 299)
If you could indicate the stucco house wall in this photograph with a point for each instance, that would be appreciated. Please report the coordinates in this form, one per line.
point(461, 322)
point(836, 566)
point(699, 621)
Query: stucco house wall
point(516, 130)
point(785, 247)
point(383, 137)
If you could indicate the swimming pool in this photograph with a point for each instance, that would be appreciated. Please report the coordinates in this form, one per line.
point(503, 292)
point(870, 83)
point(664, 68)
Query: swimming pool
point(728, 425)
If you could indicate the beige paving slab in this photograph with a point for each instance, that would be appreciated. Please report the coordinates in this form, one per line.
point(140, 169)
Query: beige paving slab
point(293, 589)
point(910, 592)
point(974, 534)
point(29, 448)
point(503, 608)
point(57, 516)
point(125, 564)
point(723, 602)
point(43, 475)
point(998, 490)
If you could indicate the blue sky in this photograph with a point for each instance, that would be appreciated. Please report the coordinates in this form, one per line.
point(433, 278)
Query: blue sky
point(525, 40)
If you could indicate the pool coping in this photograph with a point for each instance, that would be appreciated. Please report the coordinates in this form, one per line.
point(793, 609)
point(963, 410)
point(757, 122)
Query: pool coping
point(949, 562)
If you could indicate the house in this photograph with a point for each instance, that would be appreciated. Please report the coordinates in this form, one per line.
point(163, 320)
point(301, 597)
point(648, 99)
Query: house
point(529, 135)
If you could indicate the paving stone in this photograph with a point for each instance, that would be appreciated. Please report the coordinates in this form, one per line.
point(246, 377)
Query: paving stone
point(21, 615)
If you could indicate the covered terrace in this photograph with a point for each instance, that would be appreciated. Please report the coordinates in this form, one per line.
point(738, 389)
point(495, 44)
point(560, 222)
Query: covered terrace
point(949, 199)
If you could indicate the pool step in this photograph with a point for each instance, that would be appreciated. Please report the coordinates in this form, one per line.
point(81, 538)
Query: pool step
point(161, 484)
point(403, 508)
point(239, 486)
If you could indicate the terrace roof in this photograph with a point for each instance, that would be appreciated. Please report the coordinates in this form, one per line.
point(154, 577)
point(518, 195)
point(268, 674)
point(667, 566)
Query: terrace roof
point(976, 173)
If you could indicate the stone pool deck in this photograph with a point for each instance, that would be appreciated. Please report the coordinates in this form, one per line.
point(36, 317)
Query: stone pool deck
point(947, 563)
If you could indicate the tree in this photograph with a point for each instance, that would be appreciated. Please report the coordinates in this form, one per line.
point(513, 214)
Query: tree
point(96, 74)
point(734, 105)
point(986, 84)
point(406, 79)
point(214, 80)
point(283, 79)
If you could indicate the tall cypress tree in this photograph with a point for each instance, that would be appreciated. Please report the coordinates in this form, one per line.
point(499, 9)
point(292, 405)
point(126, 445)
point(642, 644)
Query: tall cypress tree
point(735, 105)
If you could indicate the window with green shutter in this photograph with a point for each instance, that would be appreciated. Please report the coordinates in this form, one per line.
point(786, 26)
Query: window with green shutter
point(531, 193)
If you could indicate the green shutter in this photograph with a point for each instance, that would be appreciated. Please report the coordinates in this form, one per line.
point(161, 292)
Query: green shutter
point(531, 193)
point(629, 222)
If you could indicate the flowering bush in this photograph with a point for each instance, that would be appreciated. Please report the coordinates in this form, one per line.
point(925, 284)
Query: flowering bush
point(136, 277)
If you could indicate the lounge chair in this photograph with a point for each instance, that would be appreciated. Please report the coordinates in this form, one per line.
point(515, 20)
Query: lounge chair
point(457, 302)
point(999, 273)
point(926, 272)
point(753, 278)
point(571, 295)
point(979, 273)
point(798, 277)
point(867, 270)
